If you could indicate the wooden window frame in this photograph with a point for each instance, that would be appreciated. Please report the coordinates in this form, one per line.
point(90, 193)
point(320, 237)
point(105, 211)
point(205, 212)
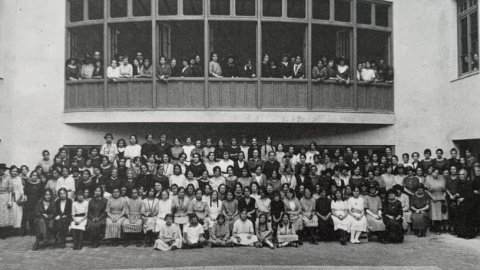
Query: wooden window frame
point(470, 7)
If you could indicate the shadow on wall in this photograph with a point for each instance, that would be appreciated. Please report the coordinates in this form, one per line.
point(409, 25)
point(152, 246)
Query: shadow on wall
point(286, 133)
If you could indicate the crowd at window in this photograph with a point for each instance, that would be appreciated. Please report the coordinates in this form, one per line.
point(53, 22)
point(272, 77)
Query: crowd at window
point(289, 67)
point(187, 196)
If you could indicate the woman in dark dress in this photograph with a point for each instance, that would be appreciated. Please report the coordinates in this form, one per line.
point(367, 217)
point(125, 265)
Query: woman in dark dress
point(63, 215)
point(44, 223)
point(87, 183)
point(33, 191)
point(198, 69)
point(464, 222)
point(419, 205)
point(392, 217)
point(248, 203)
point(266, 67)
point(323, 210)
point(96, 217)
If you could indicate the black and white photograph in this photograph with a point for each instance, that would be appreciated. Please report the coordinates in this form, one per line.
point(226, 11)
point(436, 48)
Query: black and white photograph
point(239, 134)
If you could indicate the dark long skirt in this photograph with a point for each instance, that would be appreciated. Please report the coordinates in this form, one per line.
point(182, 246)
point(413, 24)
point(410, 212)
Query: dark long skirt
point(95, 229)
point(394, 230)
point(325, 229)
point(419, 221)
point(61, 226)
point(465, 222)
point(44, 229)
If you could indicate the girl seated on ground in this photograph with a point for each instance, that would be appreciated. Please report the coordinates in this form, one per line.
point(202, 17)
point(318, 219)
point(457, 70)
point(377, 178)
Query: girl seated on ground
point(169, 236)
point(286, 232)
point(264, 232)
point(243, 233)
point(193, 234)
point(220, 233)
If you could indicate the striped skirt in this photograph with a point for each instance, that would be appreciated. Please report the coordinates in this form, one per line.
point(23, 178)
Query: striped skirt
point(114, 230)
point(128, 227)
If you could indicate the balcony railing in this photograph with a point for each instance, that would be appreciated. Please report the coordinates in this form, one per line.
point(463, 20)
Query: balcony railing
point(228, 94)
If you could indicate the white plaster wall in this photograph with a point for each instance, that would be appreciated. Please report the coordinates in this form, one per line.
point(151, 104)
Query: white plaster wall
point(422, 34)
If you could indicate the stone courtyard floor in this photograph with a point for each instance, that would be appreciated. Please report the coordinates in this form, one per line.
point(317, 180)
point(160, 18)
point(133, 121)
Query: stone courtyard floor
point(430, 253)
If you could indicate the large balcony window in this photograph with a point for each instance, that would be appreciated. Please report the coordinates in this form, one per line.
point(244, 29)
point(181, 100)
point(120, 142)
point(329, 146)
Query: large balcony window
point(230, 55)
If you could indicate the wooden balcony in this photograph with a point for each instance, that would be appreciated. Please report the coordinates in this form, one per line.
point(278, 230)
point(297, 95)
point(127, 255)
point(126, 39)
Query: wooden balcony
point(232, 94)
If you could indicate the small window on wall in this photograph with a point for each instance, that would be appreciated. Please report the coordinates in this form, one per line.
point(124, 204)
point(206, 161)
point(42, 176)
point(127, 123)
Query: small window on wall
point(296, 8)
point(193, 7)
point(468, 35)
point(168, 7)
point(364, 13)
point(245, 7)
point(382, 15)
point(342, 10)
point(220, 7)
point(272, 8)
point(321, 9)
point(142, 8)
point(118, 8)
point(95, 10)
point(76, 10)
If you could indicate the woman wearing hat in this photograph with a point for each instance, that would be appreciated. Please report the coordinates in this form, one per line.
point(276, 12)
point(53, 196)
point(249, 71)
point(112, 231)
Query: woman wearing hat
point(6, 211)
point(392, 217)
point(419, 206)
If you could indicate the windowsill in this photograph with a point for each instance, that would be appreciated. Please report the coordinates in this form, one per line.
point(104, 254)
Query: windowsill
point(464, 76)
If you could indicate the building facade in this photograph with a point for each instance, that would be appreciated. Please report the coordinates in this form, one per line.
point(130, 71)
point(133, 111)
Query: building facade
point(433, 102)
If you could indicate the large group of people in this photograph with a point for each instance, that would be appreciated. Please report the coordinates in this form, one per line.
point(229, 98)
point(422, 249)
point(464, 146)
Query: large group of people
point(197, 193)
point(289, 67)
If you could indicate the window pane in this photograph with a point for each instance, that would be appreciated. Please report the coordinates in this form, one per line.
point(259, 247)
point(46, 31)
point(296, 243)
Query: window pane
point(233, 39)
point(193, 7)
point(245, 7)
point(321, 9)
point(373, 48)
point(462, 5)
point(296, 8)
point(95, 9)
point(381, 15)
point(220, 7)
point(464, 45)
point(118, 8)
point(142, 8)
point(474, 39)
point(129, 39)
point(183, 41)
point(86, 46)
point(342, 10)
point(272, 8)
point(168, 7)
point(364, 13)
point(76, 10)
point(279, 41)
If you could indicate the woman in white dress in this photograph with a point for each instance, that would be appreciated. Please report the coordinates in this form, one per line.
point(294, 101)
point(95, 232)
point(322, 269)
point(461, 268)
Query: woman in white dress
point(217, 178)
point(339, 216)
point(79, 214)
point(178, 178)
point(215, 208)
point(243, 233)
point(18, 197)
point(211, 163)
point(164, 208)
point(132, 150)
point(169, 236)
point(149, 215)
point(356, 211)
